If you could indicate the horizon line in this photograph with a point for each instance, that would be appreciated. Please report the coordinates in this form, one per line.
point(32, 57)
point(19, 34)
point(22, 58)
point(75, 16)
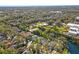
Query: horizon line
point(33, 5)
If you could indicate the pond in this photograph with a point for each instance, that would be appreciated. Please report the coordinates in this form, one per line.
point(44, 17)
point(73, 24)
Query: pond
point(73, 48)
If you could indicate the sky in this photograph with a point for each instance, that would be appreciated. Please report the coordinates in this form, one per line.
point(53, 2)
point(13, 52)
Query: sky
point(37, 2)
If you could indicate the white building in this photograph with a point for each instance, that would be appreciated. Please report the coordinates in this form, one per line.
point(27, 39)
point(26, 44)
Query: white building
point(55, 11)
point(73, 29)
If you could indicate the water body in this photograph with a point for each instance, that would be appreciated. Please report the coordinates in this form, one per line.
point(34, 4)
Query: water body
point(73, 48)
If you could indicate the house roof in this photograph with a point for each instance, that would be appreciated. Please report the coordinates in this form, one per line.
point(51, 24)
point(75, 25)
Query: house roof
point(25, 34)
point(77, 17)
point(73, 25)
point(2, 36)
point(73, 28)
